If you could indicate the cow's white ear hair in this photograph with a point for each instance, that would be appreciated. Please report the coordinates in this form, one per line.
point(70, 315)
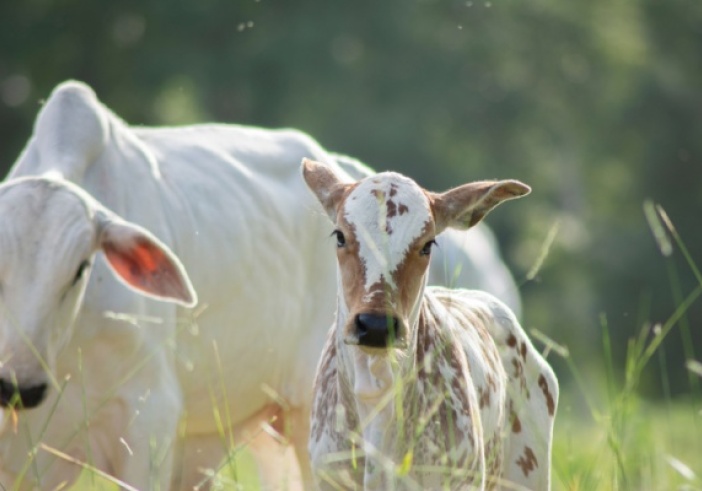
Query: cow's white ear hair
point(465, 206)
point(143, 262)
point(327, 186)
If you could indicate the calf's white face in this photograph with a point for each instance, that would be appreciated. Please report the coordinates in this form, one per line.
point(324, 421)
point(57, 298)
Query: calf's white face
point(51, 231)
point(385, 229)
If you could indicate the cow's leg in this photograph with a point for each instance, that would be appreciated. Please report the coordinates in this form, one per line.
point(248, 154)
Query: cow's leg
point(87, 438)
point(299, 434)
point(201, 457)
point(197, 461)
point(267, 436)
point(146, 459)
point(47, 447)
point(133, 432)
point(8, 480)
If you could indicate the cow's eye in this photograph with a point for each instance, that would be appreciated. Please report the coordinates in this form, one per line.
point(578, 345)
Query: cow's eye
point(340, 239)
point(426, 250)
point(81, 271)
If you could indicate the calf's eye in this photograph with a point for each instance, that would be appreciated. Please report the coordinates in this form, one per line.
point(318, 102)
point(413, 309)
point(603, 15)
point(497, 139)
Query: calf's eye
point(340, 239)
point(426, 250)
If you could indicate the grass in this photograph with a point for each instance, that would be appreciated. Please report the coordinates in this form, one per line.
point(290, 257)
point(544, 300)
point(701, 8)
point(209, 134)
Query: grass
point(241, 460)
point(606, 436)
point(641, 446)
point(661, 447)
point(623, 442)
point(609, 438)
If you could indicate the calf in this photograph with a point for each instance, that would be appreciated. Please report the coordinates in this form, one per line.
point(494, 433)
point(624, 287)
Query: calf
point(422, 388)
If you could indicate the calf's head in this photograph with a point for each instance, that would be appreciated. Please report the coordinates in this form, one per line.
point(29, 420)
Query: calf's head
point(50, 234)
point(385, 229)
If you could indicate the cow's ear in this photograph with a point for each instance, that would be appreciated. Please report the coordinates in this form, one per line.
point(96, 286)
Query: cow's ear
point(325, 184)
point(466, 205)
point(144, 263)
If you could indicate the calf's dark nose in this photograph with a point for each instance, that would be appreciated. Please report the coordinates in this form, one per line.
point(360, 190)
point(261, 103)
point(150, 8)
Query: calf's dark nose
point(376, 330)
point(21, 397)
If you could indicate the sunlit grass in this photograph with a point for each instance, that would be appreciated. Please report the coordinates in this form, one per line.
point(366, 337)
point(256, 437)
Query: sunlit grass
point(615, 440)
point(242, 460)
point(662, 449)
point(606, 436)
point(659, 447)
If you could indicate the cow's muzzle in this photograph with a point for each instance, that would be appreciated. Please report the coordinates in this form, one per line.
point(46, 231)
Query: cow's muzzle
point(377, 330)
point(21, 397)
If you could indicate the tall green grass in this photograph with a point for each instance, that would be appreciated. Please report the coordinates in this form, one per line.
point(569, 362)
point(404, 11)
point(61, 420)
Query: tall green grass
point(607, 437)
point(616, 440)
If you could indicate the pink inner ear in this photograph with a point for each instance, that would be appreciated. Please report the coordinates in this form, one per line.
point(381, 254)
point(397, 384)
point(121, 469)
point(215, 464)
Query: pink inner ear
point(137, 264)
point(145, 267)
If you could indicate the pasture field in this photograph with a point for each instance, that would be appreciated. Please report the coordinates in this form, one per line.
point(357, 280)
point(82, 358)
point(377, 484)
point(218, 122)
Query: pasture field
point(637, 446)
point(606, 436)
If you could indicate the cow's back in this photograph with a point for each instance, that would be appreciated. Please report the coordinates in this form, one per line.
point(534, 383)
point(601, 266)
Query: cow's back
point(250, 236)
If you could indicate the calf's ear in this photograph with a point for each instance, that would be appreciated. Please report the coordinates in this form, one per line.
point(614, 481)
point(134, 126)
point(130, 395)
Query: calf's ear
point(144, 263)
point(325, 184)
point(466, 205)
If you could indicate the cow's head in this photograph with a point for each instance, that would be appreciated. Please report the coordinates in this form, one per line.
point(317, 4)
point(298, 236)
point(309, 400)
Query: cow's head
point(51, 231)
point(385, 228)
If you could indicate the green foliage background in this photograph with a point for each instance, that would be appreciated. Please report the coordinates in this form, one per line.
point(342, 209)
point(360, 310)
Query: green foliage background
point(597, 105)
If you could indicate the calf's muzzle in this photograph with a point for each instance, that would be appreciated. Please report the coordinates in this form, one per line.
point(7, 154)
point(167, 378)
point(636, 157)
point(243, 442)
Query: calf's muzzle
point(377, 330)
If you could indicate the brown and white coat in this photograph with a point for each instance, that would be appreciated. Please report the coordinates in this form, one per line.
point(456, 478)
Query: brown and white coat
point(422, 388)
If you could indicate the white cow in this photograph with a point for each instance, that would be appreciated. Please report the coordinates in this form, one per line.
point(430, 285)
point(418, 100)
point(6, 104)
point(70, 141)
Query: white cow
point(53, 226)
point(116, 386)
point(422, 388)
point(153, 392)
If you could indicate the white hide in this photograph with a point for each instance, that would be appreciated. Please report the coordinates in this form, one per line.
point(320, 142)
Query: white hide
point(229, 202)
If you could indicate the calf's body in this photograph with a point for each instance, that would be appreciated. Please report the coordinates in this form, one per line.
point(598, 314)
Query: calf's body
point(422, 388)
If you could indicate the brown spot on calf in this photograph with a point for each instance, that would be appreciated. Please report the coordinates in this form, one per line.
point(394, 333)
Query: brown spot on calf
point(516, 424)
point(527, 461)
point(392, 208)
point(484, 399)
point(547, 394)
